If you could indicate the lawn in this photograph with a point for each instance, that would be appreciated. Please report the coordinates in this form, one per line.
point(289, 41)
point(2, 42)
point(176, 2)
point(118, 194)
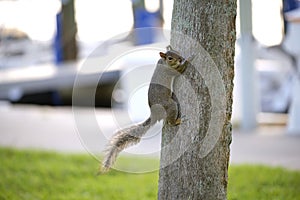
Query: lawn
point(45, 175)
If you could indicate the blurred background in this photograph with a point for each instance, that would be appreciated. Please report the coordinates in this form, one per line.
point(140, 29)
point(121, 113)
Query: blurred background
point(45, 45)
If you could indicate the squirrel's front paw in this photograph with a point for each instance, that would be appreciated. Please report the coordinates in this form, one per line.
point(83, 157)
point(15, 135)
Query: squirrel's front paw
point(183, 119)
point(178, 121)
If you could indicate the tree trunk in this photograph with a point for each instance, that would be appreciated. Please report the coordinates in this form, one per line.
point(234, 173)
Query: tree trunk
point(69, 31)
point(195, 154)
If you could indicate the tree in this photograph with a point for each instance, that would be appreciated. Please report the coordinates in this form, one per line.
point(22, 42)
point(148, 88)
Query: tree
point(195, 155)
point(69, 31)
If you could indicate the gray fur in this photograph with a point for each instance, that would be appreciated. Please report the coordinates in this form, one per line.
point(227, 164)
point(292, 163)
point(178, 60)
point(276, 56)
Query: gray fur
point(162, 102)
point(123, 139)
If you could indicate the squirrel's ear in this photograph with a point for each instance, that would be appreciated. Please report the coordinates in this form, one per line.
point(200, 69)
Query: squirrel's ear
point(162, 55)
point(169, 48)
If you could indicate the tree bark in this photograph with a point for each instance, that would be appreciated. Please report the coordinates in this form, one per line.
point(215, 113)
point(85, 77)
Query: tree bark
point(69, 31)
point(195, 154)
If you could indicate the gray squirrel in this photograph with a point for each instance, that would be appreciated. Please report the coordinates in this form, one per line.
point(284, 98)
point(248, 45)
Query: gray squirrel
point(162, 102)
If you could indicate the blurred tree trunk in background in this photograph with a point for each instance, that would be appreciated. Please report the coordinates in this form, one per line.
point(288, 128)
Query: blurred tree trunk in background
point(69, 31)
point(195, 155)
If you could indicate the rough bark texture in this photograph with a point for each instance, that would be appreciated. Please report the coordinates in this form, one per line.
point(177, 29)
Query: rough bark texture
point(195, 156)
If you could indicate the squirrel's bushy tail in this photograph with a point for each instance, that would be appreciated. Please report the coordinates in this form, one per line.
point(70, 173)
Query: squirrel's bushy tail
point(123, 139)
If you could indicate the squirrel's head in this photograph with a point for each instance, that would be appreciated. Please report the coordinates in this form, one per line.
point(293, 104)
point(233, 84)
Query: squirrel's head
point(172, 59)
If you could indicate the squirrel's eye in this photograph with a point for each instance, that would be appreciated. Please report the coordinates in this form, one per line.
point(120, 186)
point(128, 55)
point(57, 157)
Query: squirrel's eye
point(170, 58)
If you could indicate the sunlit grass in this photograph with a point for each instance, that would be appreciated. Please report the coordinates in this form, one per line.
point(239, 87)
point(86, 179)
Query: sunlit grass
point(44, 175)
point(261, 182)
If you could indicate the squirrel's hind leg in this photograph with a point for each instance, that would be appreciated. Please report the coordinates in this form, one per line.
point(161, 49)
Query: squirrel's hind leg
point(173, 111)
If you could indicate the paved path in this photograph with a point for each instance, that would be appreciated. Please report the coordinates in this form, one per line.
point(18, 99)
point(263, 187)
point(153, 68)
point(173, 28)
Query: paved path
point(268, 145)
point(55, 129)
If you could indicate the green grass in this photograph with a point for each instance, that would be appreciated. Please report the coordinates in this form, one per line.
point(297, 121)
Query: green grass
point(41, 175)
point(261, 182)
point(44, 175)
